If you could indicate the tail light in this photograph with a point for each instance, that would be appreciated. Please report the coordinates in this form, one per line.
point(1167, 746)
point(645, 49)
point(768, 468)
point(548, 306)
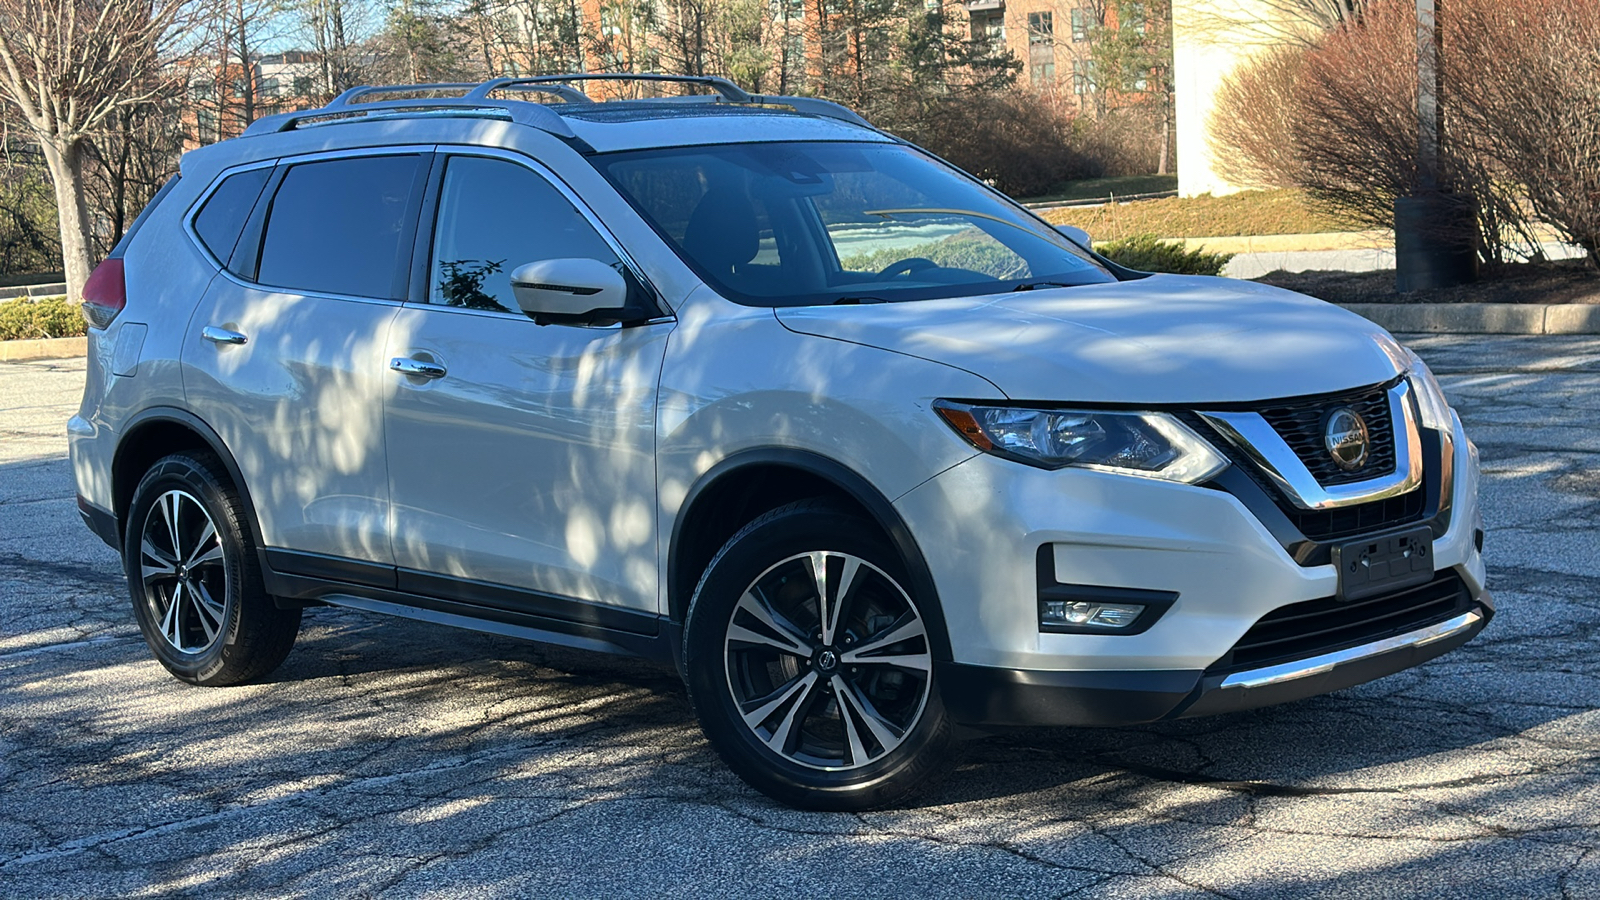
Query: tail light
point(105, 293)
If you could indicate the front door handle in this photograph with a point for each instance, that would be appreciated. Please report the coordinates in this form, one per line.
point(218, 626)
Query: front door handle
point(416, 367)
point(222, 335)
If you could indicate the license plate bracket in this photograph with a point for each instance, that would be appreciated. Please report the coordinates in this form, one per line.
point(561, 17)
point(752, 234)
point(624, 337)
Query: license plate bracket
point(1385, 563)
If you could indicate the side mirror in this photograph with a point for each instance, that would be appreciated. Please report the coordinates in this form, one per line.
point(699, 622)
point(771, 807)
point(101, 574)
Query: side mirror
point(570, 290)
point(1076, 235)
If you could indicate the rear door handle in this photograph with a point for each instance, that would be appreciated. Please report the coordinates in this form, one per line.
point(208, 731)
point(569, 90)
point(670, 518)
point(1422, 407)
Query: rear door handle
point(416, 367)
point(222, 335)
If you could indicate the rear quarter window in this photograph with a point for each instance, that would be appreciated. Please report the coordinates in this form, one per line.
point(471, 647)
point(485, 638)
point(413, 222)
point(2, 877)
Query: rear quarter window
point(222, 218)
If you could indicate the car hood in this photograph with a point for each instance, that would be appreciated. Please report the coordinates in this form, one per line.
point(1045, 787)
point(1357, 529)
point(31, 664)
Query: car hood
point(1165, 339)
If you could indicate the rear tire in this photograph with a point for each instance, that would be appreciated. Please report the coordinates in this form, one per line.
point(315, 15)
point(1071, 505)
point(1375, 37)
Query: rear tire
point(194, 577)
point(810, 663)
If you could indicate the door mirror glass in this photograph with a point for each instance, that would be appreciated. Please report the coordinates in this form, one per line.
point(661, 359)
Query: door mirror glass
point(570, 290)
point(1076, 235)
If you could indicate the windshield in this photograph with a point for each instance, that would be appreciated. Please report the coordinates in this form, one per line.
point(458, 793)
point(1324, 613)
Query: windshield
point(803, 224)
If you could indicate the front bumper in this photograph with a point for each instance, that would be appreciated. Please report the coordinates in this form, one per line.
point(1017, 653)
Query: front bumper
point(1227, 569)
point(993, 697)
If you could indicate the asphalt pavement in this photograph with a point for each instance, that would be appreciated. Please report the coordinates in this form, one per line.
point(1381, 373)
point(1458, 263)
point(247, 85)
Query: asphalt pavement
point(391, 758)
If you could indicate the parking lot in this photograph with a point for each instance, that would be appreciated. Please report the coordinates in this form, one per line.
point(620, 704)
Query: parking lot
point(388, 757)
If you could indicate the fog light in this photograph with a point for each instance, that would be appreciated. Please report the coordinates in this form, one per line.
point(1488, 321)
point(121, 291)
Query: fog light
point(1101, 615)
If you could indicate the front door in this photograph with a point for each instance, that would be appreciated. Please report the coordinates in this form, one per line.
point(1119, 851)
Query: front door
point(521, 456)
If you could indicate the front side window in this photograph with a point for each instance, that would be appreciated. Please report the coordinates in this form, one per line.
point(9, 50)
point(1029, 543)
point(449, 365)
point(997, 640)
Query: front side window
point(801, 224)
point(494, 217)
point(336, 227)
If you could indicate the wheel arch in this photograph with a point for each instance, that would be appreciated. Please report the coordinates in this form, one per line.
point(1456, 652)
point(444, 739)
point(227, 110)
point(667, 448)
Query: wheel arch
point(745, 484)
point(157, 432)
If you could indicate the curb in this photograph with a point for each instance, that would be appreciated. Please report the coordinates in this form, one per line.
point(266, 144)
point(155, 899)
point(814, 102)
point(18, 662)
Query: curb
point(44, 348)
point(1292, 243)
point(51, 289)
point(1482, 318)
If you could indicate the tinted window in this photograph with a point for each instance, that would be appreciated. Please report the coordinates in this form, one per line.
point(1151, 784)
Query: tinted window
point(495, 216)
point(225, 212)
point(336, 227)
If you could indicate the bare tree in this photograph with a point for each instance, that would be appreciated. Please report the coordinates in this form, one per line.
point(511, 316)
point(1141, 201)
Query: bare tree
point(66, 68)
point(29, 240)
point(337, 31)
point(685, 32)
point(127, 162)
point(1265, 22)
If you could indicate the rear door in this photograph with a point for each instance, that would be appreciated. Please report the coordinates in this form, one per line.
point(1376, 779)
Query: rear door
point(286, 362)
point(523, 467)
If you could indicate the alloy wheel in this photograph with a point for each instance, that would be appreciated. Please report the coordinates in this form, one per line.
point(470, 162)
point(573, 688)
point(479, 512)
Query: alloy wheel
point(828, 661)
point(183, 572)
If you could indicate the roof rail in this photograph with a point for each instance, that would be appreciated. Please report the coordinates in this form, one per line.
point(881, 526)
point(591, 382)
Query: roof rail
point(537, 115)
point(730, 92)
point(565, 91)
point(472, 100)
point(813, 106)
point(350, 96)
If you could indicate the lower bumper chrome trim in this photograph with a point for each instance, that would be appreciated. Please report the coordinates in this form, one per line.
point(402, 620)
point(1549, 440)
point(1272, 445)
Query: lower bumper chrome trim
point(1316, 665)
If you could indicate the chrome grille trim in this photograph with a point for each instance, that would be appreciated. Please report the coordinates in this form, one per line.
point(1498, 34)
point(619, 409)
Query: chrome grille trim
point(1258, 440)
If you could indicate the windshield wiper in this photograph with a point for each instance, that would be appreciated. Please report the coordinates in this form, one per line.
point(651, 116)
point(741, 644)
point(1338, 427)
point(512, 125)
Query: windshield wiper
point(846, 301)
point(1030, 285)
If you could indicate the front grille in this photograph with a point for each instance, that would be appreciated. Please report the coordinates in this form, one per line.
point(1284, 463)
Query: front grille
point(1365, 518)
point(1302, 630)
point(1302, 427)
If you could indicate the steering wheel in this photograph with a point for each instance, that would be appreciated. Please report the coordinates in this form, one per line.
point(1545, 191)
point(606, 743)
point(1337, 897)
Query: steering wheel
point(906, 267)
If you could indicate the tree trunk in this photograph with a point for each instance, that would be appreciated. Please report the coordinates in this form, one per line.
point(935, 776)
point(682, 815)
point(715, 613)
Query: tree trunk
point(1166, 137)
point(65, 160)
point(245, 67)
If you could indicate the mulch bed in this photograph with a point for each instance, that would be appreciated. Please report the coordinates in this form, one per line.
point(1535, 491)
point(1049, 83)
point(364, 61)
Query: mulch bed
point(1560, 281)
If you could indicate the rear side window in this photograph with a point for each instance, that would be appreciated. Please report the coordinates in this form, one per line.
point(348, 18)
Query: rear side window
point(337, 227)
point(222, 218)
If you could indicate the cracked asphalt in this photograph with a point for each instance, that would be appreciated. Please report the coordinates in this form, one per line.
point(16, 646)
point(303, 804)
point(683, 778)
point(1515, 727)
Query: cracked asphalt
point(391, 758)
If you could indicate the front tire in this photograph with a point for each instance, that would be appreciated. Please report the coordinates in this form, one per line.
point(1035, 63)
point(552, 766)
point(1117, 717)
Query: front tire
point(194, 578)
point(810, 663)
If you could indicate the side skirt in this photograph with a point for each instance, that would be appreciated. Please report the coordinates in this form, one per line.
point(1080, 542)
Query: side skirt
point(303, 579)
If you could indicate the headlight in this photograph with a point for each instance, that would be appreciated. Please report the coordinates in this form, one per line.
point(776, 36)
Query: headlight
point(1151, 444)
point(1431, 403)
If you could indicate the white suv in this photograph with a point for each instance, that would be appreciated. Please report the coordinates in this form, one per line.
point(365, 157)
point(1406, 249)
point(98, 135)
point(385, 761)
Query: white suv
point(870, 453)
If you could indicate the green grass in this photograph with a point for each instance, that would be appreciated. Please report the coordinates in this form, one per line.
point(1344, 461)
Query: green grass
point(1246, 213)
point(39, 317)
point(1102, 188)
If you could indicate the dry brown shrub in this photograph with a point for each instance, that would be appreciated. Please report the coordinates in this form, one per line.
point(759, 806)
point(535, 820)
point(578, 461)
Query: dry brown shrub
point(1528, 104)
point(1338, 117)
point(1354, 129)
point(1022, 143)
point(1254, 115)
point(1124, 141)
